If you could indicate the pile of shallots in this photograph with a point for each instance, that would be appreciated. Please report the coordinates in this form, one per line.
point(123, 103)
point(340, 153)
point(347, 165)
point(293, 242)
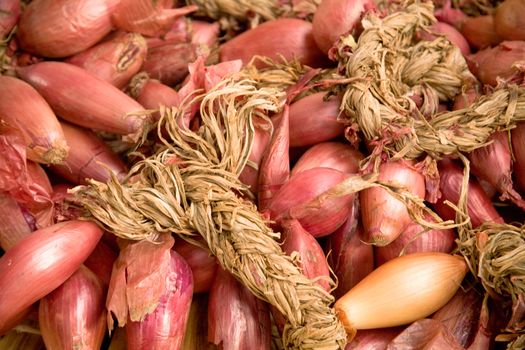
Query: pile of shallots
point(82, 81)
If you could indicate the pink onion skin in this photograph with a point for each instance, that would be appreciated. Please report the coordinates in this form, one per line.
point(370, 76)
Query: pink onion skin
point(204, 34)
point(165, 327)
point(154, 94)
point(384, 217)
point(89, 157)
point(492, 63)
point(518, 147)
point(169, 63)
point(425, 334)
point(292, 199)
point(83, 99)
point(508, 20)
point(313, 120)
point(451, 33)
point(373, 339)
point(13, 225)
point(100, 262)
point(351, 259)
point(236, 318)
point(42, 261)
point(23, 109)
point(9, 14)
point(289, 37)
point(73, 315)
point(479, 206)
point(250, 174)
point(60, 28)
point(116, 60)
point(414, 239)
point(335, 155)
point(334, 18)
point(479, 31)
point(203, 265)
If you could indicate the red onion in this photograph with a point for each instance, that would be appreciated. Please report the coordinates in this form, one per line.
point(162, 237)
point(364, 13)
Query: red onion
point(492, 63)
point(373, 339)
point(275, 164)
point(204, 34)
point(333, 18)
point(313, 120)
point(116, 60)
point(425, 334)
point(237, 319)
point(164, 328)
point(88, 158)
point(9, 13)
point(73, 315)
point(13, 225)
point(451, 33)
point(169, 63)
point(479, 31)
point(154, 94)
point(40, 263)
point(335, 155)
point(294, 200)
point(85, 100)
point(60, 28)
point(250, 173)
point(100, 262)
point(479, 206)
point(508, 20)
point(385, 217)
point(203, 265)
point(284, 37)
point(518, 148)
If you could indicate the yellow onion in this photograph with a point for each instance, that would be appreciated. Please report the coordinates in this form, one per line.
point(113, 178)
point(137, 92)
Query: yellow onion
point(23, 110)
point(508, 20)
point(479, 31)
point(334, 155)
point(401, 291)
point(9, 13)
point(203, 265)
point(116, 60)
point(285, 37)
point(60, 28)
point(89, 157)
point(73, 315)
point(82, 99)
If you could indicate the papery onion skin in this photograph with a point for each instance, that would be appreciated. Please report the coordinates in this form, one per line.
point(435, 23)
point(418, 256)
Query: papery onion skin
point(60, 28)
point(203, 265)
point(164, 328)
point(85, 100)
point(335, 155)
point(88, 158)
point(313, 120)
point(73, 315)
point(43, 261)
point(385, 217)
point(9, 14)
point(23, 109)
point(116, 60)
point(289, 37)
point(508, 20)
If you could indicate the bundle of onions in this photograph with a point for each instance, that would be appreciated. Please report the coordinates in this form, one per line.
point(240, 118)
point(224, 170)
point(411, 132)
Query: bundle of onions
point(236, 318)
point(40, 263)
point(9, 13)
point(314, 120)
point(479, 205)
point(164, 328)
point(60, 28)
point(401, 291)
point(73, 315)
point(385, 217)
point(85, 100)
point(334, 18)
point(116, 60)
point(203, 265)
point(250, 173)
point(89, 157)
point(508, 20)
point(299, 199)
point(285, 37)
point(334, 155)
point(24, 110)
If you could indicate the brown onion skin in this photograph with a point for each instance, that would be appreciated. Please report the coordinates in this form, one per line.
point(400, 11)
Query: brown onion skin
point(313, 120)
point(508, 20)
point(203, 265)
point(304, 187)
point(236, 318)
point(164, 328)
point(334, 18)
point(43, 260)
point(83, 99)
point(335, 155)
point(73, 315)
point(518, 147)
point(169, 63)
point(25, 110)
point(479, 31)
point(492, 63)
point(384, 217)
point(9, 14)
point(479, 205)
point(60, 28)
point(289, 37)
point(89, 157)
point(116, 60)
